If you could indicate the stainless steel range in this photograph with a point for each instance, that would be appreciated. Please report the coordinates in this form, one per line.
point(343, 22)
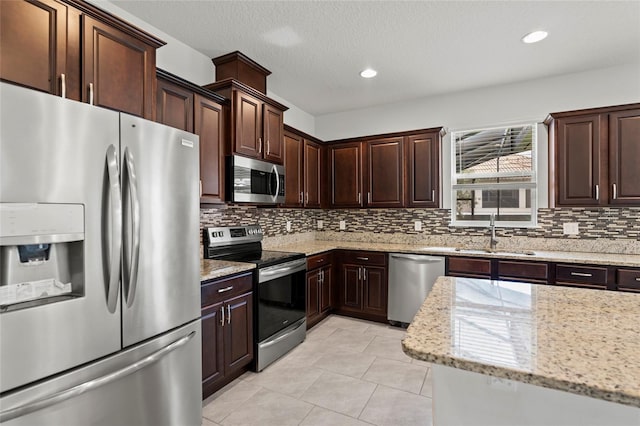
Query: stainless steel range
point(280, 300)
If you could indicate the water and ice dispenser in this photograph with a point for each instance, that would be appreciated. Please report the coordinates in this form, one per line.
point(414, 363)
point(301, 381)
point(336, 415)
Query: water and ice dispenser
point(41, 254)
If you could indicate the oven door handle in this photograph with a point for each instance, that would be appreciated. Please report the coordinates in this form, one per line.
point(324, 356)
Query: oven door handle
point(273, 272)
point(284, 334)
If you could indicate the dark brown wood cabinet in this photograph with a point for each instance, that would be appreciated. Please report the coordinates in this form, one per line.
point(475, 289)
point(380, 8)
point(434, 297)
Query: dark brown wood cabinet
point(594, 156)
point(185, 106)
point(362, 284)
point(581, 276)
point(392, 170)
point(76, 50)
point(423, 169)
point(518, 270)
point(384, 172)
point(227, 330)
point(293, 169)
point(303, 170)
point(174, 105)
point(346, 176)
point(624, 157)
point(319, 287)
point(628, 279)
point(468, 267)
point(33, 44)
point(257, 122)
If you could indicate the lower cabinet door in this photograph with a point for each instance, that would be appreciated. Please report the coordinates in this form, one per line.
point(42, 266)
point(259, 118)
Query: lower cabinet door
point(351, 288)
point(238, 332)
point(375, 290)
point(325, 290)
point(212, 342)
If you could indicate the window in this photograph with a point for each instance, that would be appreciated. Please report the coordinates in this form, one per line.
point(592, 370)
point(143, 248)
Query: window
point(494, 172)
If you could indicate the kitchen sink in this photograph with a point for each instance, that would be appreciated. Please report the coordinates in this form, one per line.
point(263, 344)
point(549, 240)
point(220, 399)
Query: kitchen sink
point(480, 251)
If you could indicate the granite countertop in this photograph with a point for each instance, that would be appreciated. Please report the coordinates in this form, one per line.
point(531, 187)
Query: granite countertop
point(315, 247)
point(582, 341)
point(211, 269)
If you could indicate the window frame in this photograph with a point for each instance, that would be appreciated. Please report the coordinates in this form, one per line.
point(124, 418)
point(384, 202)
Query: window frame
point(533, 185)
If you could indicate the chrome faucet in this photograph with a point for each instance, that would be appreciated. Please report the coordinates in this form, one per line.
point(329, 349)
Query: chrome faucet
point(492, 224)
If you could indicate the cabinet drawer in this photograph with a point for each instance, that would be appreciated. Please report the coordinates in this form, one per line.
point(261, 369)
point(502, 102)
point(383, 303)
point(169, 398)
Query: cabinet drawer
point(319, 260)
point(531, 271)
point(364, 258)
point(628, 279)
point(589, 276)
point(225, 288)
point(469, 267)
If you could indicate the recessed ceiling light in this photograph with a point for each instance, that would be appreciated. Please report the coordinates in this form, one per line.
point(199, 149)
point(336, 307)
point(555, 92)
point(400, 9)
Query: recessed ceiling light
point(534, 37)
point(368, 73)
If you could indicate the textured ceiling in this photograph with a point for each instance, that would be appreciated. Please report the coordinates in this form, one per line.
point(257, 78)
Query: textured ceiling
point(316, 49)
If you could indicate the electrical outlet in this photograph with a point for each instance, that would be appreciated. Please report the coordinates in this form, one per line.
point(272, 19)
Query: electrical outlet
point(320, 224)
point(570, 228)
point(343, 225)
point(288, 226)
point(417, 225)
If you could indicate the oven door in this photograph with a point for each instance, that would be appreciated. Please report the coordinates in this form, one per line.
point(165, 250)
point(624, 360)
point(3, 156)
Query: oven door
point(256, 181)
point(281, 297)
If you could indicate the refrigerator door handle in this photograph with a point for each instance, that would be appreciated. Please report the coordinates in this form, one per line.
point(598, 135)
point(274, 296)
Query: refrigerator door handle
point(116, 228)
point(135, 229)
point(47, 401)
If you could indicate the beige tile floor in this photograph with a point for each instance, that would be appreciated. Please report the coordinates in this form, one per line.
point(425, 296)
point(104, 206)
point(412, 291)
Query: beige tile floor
point(347, 372)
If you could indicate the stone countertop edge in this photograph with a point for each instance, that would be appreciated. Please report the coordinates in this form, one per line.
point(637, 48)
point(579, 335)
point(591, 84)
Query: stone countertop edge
point(212, 269)
point(606, 259)
point(421, 345)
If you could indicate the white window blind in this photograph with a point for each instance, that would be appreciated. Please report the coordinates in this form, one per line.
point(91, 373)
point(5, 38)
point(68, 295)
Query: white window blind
point(494, 172)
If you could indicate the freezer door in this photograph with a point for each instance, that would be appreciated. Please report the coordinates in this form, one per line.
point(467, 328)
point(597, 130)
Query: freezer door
point(57, 157)
point(161, 266)
point(155, 383)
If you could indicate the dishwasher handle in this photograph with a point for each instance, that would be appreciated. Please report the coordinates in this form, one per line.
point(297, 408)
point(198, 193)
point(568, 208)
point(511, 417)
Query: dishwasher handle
point(417, 258)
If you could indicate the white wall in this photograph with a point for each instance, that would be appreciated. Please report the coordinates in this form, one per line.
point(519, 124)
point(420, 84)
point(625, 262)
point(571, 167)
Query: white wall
point(186, 62)
point(531, 100)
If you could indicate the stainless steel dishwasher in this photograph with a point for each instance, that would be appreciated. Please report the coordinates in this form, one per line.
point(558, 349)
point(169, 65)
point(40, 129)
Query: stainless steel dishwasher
point(411, 277)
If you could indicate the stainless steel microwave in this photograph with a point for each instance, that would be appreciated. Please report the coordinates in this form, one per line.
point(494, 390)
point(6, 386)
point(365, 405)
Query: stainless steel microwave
point(254, 181)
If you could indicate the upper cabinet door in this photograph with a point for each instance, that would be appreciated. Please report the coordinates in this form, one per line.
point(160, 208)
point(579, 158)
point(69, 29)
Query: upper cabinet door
point(423, 170)
point(119, 69)
point(248, 125)
point(624, 158)
point(346, 186)
point(174, 105)
point(209, 124)
point(312, 174)
point(293, 169)
point(33, 44)
point(385, 172)
point(579, 143)
point(273, 133)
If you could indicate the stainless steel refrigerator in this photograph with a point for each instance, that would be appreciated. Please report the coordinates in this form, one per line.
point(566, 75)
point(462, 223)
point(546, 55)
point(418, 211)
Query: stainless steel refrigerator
point(99, 258)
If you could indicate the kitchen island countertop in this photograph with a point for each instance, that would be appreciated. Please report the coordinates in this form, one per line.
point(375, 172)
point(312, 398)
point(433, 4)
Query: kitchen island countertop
point(581, 341)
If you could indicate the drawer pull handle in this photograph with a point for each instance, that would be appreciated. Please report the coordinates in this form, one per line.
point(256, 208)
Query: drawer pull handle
point(581, 274)
point(362, 258)
point(637, 278)
point(320, 260)
point(223, 290)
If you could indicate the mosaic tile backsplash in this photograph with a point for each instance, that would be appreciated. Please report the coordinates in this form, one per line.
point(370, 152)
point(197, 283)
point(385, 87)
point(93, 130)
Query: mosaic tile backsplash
point(615, 225)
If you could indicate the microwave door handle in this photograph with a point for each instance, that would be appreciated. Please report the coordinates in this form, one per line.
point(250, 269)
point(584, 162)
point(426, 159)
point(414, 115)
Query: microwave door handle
point(135, 229)
point(275, 172)
point(116, 228)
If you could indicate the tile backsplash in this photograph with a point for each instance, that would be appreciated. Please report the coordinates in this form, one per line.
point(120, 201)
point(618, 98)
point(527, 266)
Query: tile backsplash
point(613, 229)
